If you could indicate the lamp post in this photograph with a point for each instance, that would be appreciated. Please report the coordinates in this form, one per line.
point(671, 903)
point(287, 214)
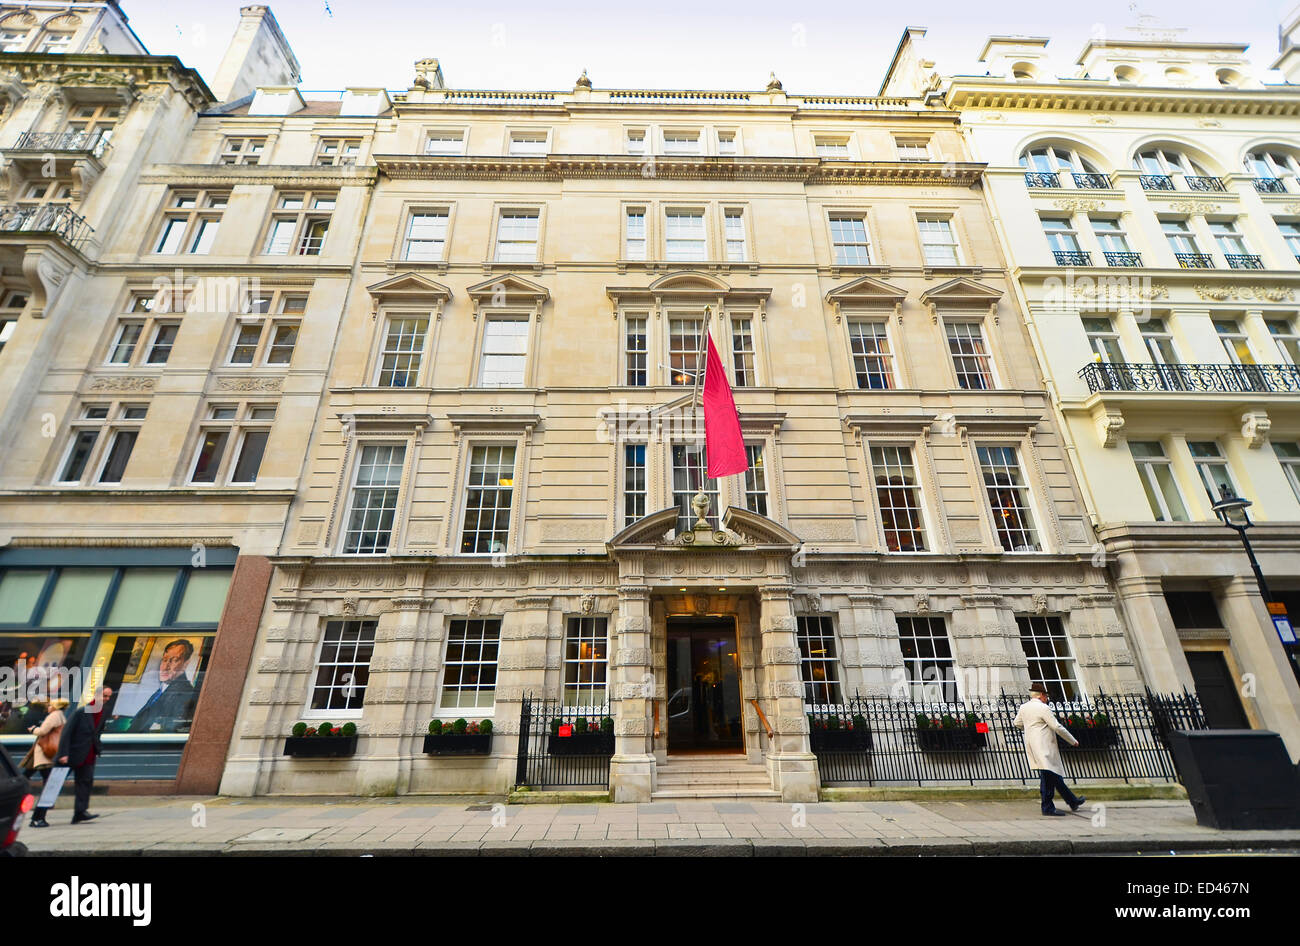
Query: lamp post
point(1231, 509)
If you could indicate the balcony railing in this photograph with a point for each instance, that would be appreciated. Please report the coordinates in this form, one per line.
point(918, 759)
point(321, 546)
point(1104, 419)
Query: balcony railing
point(1123, 259)
point(46, 218)
point(1091, 181)
point(1195, 183)
point(1195, 260)
point(1270, 185)
point(1194, 379)
point(1042, 179)
point(1072, 258)
point(91, 142)
point(1243, 261)
point(1156, 182)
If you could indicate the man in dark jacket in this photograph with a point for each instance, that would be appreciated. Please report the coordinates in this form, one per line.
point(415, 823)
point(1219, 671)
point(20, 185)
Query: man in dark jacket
point(79, 747)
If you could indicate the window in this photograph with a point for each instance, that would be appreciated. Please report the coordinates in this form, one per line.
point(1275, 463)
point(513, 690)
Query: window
point(399, 359)
point(681, 142)
point(1159, 342)
point(1008, 498)
point(819, 662)
point(1190, 609)
point(832, 147)
point(734, 224)
point(12, 41)
point(7, 327)
point(1055, 158)
point(527, 143)
point(343, 665)
point(338, 152)
point(375, 488)
point(634, 483)
point(685, 336)
point(742, 352)
point(1212, 468)
point(1288, 454)
point(970, 357)
point(636, 352)
point(245, 427)
point(586, 661)
point(912, 149)
point(1271, 165)
point(517, 232)
point(1181, 240)
point(1234, 341)
point(755, 480)
point(469, 674)
point(1050, 662)
point(191, 222)
point(489, 494)
point(1227, 236)
point(1286, 338)
point(505, 353)
point(144, 339)
point(117, 426)
point(937, 241)
point(726, 142)
point(872, 358)
point(927, 658)
point(268, 341)
point(849, 240)
point(94, 124)
point(684, 235)
point(445, 142)
point(55, 43)
point(1158, 481)
point(1060, 235)
point(688, 475)
point(242, 151)
point(1164, 162)
point(1103, 340)
point(1291, 234)
point(634, 240)
point(300, 224)
point(1114, 242)
point(899, 496)
point(636, 141)
point(426, 236)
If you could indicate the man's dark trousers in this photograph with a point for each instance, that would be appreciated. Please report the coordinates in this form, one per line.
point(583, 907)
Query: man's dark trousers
point(85, 780)
point(1048, 784)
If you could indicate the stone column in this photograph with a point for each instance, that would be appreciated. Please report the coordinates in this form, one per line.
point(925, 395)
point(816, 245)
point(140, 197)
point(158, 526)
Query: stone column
point(1260, 655)
point(521, 666)
point(986, 647)
point(875, 654)
point(379, 769)
point(1100, 645)
point(632, 769)
point(790, 761)
point(1159, 650)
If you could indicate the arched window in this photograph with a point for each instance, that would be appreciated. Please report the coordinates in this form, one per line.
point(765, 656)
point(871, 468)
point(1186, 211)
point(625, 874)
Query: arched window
point(1162, 162)
point(1126, 74)
point(1023, 72)
point(1272, 163)
point(1053, 158)
point(55, 42)
point(1229, 78)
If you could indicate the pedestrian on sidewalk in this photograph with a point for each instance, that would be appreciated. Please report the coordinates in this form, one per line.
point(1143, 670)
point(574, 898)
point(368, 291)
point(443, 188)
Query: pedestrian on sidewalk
point(46, 749)
point(79, 747)
point(1041, 729)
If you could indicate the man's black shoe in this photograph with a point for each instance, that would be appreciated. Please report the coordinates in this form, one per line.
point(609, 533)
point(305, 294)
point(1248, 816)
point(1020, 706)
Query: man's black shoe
point(39, 823)
point(1082, 801)
point(1055, 814)
point(77, 819)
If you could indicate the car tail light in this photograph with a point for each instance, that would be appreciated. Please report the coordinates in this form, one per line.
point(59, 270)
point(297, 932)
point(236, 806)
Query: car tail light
point(12, 834)
point(28, 804)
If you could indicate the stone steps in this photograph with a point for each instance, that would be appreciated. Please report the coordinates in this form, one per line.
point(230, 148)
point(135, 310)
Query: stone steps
point(715, 777)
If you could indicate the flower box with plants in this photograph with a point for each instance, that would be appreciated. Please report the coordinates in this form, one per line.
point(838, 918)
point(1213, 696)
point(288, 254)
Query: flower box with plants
point(947, 733)
point(581, 737)
point(833, 734)
point(459, 738)
point(322, 741)
point(1094, 732)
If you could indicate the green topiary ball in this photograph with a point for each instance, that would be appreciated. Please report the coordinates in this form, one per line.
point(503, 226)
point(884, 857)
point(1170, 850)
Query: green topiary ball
point(435, 727)
point(485, 727)
point(299, 729)
point(459, 726)
point(349, 729)
point(325, 729)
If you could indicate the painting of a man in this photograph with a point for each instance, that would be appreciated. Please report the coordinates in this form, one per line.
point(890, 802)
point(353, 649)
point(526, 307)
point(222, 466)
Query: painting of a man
point(173, 702)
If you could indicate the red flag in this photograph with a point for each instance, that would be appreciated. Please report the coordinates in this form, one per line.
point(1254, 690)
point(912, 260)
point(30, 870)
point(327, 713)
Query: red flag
point(723, 443)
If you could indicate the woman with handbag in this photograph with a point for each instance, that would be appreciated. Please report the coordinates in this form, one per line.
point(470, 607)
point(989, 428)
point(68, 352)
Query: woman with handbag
point(46, 750)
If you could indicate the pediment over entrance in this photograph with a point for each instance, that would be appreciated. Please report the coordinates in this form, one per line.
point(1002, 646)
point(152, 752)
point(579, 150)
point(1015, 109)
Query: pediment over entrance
point(741, 529)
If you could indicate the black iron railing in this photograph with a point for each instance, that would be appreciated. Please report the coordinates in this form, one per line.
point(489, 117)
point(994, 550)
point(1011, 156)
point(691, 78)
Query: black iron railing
point(1042, 179)
point(1072, 257)
point(1156, 182)
point(1195, 183)
point(877, 739)
point(1091, 181)
point(1123, 259)
point(1269, 185)
point(1200, 379)
point(1243, 261)
point(46, 218)
point(91, 142)
point(1195, 260)
point(563, 746)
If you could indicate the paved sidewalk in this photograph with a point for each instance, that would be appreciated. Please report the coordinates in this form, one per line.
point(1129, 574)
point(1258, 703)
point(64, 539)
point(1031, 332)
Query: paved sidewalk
point(475, 826)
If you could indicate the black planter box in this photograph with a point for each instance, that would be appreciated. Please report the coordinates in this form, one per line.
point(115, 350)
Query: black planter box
point(840, 740)
point(464, 744)
point(592, 743)
point(320, 747)
point(1092, 738)
point(963, 739)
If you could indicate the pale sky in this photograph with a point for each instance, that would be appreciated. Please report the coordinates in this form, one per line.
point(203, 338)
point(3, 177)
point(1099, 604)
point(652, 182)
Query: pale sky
point(833, 46)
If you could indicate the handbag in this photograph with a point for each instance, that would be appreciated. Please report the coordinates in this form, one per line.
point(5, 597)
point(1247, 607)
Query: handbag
point(49, 743)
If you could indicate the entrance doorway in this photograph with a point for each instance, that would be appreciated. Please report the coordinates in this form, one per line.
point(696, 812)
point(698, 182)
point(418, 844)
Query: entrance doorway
point(1217, 690)
point(704, 700)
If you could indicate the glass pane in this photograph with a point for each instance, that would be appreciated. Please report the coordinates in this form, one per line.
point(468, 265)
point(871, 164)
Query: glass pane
point(77, 597)
point(250, 458)
point(141, 599)
point(18, 593)
point(156, 681)
point(205, 593)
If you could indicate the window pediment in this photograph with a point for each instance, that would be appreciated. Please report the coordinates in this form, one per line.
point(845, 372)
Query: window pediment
point(508, 291)
point(961, 292)
point(409, 288)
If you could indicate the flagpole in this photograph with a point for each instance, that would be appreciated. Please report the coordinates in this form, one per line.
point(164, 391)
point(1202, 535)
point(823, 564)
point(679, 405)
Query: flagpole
point(701, 360)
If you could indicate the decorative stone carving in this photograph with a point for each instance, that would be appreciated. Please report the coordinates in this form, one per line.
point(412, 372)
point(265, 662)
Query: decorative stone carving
point(1109, 425)
point(811, 603)
point(1078, 204)
point(1111, 290)
point(699, 604)
point(249, 384)
point(1194, 206)
point(1255, 426)
point(1040, 603)
point(1260, 293)
point(588, 602)
point(921, 603)
point(350, 605)
point(126, 384)
point(475, 605)
point(583, 82)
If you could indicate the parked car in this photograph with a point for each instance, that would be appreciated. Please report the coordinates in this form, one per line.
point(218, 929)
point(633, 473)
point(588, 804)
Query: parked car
point(16, 803)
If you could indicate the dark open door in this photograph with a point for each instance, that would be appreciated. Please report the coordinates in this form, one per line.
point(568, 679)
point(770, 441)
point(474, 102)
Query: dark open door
point(1217, 690)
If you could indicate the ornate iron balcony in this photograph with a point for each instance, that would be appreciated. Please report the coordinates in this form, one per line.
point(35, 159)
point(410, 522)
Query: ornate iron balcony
point(1192, 379)
point(46, 218)
point(1156, 182)
point(1042, 179)
point(1072, 258)
point(1243, 261)
point(91, 142)
point(1123, 259)
point(1204, 183)
point(1269, 185)
point(1195, 260)
point(1093, 181)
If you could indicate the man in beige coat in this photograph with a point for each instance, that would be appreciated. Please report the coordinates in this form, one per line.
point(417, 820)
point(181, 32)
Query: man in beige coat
point(1041, 729)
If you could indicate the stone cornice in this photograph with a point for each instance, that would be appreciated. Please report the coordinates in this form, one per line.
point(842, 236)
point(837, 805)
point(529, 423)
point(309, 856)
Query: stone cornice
point(1096, 96)
point(126, 72)
point(279, 175)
